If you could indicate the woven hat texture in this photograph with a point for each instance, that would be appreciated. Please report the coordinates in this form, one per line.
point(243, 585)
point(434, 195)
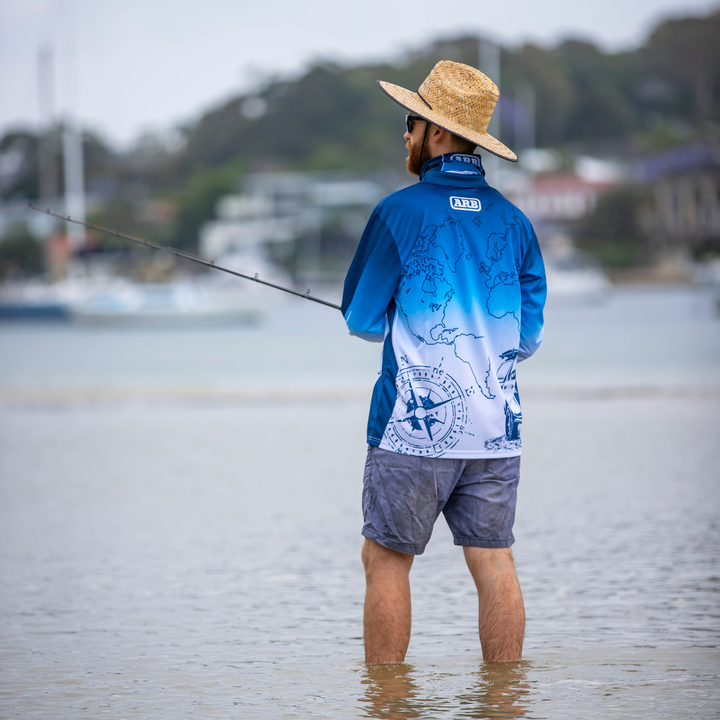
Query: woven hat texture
point(457, 98)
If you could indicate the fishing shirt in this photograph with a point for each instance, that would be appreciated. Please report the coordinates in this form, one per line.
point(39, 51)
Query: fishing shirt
point(448, 275)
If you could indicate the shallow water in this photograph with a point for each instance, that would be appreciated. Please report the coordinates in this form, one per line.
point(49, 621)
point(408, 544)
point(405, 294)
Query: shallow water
point(643, 338)
point(186, 548)
point(616, 683)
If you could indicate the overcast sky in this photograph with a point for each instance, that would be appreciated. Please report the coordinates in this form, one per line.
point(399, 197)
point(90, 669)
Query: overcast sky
point(151, 64)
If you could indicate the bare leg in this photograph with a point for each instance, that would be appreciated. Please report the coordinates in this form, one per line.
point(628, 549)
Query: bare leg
point(387, 603)
point(502, 614)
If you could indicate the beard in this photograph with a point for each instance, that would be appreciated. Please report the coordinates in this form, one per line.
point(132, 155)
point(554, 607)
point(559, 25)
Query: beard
point(417, 155)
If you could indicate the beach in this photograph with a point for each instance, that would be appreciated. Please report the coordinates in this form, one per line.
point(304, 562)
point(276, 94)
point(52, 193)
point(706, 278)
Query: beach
point(180, 524)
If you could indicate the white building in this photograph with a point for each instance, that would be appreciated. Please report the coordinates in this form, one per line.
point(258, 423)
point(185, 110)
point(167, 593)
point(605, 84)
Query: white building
point(281, 208)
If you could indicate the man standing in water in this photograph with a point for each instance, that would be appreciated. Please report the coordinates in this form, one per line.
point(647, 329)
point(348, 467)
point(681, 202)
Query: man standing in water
point(449, 276)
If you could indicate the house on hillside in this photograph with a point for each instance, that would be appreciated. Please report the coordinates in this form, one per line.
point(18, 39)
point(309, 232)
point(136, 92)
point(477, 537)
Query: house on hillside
point(306, 215)
point(685, 211)
point(561, 198)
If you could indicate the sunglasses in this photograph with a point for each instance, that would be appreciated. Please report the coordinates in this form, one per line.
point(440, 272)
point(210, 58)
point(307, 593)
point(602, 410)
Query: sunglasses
point(410, 121)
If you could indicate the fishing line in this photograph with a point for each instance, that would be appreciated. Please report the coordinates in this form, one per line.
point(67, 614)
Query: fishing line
point(299, 292)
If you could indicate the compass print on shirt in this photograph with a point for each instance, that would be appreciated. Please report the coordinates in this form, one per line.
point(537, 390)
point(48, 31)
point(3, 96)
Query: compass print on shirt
point(430, 415)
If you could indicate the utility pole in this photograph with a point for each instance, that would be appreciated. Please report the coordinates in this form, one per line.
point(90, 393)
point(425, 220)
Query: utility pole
point(47, 151)
point(74, 180)
point(489, 63)
point(73, 164)
point(525, 120)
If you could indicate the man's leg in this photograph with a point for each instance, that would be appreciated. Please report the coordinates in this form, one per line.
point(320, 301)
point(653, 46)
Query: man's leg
point(502, 614)
point(387, 603)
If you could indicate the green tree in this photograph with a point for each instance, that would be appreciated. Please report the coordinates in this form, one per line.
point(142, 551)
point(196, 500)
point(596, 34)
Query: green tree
point(20, 254)
point(612, 231)
point(685, 53)
point(20, 178)
point(196, 201)
point(603, 104)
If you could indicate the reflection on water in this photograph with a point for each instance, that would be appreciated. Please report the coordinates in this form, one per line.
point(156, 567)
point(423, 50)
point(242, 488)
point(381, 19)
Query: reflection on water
point(391, 692)
point(502, 692)
point(624, 684)
point(499, 691)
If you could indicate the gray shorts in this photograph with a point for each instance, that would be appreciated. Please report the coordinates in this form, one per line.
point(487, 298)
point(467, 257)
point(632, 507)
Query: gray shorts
point(403, 495)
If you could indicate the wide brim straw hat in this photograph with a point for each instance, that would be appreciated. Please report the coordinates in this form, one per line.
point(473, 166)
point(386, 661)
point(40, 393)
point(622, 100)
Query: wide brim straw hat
point(457, 98)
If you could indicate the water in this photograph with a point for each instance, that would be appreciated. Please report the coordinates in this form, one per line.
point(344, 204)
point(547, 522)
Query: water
point(177, 540)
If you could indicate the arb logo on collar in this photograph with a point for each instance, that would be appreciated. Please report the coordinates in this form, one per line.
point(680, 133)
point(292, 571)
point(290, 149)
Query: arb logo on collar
point(464, 203)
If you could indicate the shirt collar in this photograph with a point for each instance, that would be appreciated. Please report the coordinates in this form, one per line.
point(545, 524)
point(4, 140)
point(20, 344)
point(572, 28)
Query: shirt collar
point(455, 163)
point(458, 169)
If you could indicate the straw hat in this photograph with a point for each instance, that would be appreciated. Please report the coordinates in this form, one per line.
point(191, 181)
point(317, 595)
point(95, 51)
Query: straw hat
point(457, 98)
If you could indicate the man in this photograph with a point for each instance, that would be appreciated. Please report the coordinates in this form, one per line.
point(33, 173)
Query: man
point(449, 276)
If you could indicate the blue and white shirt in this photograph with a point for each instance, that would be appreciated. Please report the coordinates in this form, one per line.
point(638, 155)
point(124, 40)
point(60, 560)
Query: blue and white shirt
point(449, 276)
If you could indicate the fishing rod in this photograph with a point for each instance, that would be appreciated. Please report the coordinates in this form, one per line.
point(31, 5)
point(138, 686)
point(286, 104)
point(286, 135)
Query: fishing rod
point(189, 256)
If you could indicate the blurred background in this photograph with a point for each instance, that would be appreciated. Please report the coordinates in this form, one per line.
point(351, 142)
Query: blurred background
point(238, 137)
point(181, 451)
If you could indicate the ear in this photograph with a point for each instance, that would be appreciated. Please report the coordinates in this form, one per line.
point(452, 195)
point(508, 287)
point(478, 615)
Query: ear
point(438, 134)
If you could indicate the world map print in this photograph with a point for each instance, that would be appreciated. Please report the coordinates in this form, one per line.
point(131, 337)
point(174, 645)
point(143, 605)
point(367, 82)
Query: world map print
point(427, 295)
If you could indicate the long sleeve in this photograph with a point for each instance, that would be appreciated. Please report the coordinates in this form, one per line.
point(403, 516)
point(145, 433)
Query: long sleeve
point(371, 281)
point(533, 289)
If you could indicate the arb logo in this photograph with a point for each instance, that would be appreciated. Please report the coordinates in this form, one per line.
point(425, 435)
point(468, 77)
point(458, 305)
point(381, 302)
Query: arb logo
point(464, 203)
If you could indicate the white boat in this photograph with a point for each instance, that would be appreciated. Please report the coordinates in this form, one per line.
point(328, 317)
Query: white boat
point(210, 299)
point(575, 281)
point(41, 300)
point(182, 303)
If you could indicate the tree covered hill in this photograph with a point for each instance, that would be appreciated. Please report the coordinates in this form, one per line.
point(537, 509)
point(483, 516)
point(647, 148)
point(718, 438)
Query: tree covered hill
point(333, 117)
point(666, 92)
